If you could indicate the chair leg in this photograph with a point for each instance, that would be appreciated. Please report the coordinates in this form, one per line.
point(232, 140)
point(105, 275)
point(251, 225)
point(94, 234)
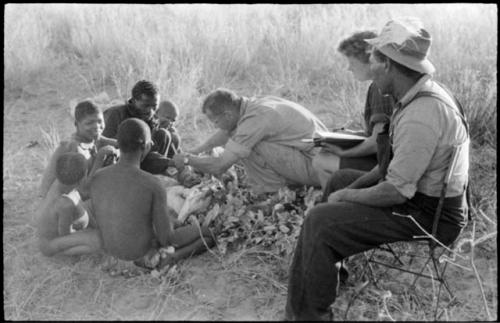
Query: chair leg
point(442, 282)
point(395, 255)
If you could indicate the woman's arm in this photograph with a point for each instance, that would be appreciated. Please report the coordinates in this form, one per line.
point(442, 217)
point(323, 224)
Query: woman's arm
point(365, 148)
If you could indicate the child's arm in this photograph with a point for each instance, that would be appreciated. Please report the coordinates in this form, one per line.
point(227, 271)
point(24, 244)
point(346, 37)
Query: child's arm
point(105, 141)
point(49, 175)
point(65, 215)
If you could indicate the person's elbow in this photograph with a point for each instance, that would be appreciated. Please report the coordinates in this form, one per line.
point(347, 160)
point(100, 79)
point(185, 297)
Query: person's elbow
point(395, 196)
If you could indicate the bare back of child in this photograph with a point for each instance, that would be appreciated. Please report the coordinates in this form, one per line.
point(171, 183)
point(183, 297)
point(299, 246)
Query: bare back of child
point(131, 207)
point(62, 207)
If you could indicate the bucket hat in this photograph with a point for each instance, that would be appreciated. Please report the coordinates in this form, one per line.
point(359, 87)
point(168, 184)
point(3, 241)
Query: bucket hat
point(405, 41)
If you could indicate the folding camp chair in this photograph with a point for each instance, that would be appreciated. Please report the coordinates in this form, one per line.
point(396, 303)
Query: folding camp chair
point(434, 249)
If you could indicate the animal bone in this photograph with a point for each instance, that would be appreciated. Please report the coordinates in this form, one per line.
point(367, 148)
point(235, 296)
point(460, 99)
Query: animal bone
point(175, 197)
point(196, 199)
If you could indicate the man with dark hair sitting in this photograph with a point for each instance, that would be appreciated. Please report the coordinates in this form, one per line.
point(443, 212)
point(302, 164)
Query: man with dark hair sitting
point(143, 105)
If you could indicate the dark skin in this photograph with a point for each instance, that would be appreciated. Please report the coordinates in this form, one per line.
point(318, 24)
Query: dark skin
point(88, 131)
point(58, 213)
point(131, 210)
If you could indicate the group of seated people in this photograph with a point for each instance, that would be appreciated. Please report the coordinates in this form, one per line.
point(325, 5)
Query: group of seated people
point(100, 192)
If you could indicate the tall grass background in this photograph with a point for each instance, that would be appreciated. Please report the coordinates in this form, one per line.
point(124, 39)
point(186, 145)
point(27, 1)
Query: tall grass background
point(189, 50)
point(289, 50)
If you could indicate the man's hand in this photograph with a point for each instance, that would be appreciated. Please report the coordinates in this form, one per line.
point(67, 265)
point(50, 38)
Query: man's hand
point(188, 177)
point(334, 149)
point(336, 196)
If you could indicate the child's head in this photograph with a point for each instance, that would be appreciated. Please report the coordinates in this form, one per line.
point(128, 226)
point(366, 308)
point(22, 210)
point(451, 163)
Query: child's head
point(89, 120)
point(71, 168)
point(134, 136)
point(168, 112)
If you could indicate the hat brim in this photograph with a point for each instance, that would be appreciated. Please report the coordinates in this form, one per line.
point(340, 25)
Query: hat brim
point(419, 65)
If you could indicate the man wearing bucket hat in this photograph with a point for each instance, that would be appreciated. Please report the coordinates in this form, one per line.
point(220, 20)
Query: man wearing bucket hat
point(425, 126)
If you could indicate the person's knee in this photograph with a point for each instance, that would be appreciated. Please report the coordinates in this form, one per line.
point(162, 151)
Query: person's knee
point(162, 139)
point(93, 240)
point(338, 180)
point(175, 139)
point(163, 134)
point(319, 163)
point(46, 248)
point(316, 219)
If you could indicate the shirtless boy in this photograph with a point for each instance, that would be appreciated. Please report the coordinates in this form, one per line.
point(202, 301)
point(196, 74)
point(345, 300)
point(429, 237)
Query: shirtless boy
point(64, 207)
point(131, 205)
point(87, 140)
point(167, 114)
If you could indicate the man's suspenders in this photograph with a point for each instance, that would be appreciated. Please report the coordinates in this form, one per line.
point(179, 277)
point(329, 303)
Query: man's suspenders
point(384, 147)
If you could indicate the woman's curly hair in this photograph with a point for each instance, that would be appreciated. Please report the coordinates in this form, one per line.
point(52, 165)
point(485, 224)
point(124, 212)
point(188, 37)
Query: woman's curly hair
point(356, 46)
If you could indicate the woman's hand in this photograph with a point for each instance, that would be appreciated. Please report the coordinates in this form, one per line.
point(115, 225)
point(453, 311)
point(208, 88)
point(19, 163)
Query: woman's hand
point(334, 149)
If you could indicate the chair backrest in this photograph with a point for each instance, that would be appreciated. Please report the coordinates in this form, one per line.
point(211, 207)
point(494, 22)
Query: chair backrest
point(451, 166)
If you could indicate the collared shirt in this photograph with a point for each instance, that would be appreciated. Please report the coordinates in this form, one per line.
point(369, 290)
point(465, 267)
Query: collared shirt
point(275, 120)
point(423, 133)
point(378, 108)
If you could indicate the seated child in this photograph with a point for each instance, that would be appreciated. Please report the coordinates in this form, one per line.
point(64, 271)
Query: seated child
point(167, 114)
point(130, 204)
point(63, 208)
point(87, 140)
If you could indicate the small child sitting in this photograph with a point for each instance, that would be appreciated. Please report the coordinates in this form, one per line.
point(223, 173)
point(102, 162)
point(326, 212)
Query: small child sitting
point(63, 208)
point(167, 114)
point(87, 141)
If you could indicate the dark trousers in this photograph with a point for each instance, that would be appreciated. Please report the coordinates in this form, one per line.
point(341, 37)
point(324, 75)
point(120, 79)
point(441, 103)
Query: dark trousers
point(334, 231)
point(365, 163)
point(156, 161)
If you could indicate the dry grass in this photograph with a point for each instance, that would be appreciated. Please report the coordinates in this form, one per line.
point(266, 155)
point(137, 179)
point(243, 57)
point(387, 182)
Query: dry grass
point(56, 53)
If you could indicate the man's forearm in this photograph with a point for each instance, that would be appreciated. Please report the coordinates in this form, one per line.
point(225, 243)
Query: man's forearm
point(369, 179)
point(383, 194)
point(367, 147)
point(211, 165)
point(218, 139)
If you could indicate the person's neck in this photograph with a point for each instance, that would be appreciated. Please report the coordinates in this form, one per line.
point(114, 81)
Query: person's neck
point(65, 189)
point(83, 139)
point(402, 86)
point(130, 160)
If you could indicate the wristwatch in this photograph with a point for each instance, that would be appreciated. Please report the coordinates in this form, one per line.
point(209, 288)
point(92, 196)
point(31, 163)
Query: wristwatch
point(186, 160)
